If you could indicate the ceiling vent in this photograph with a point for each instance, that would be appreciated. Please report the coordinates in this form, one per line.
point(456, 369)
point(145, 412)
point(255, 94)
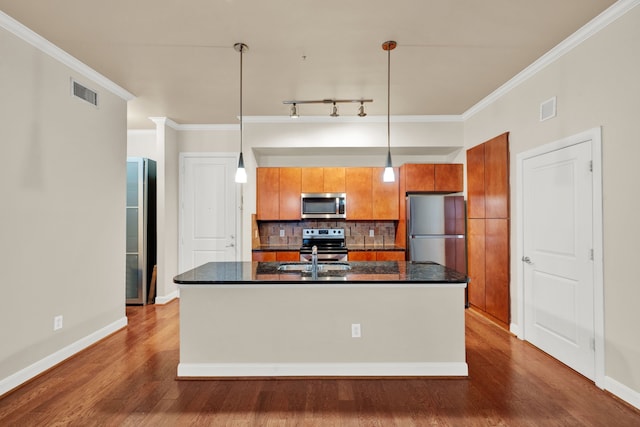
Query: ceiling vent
point(548, 109)
point(84, 93)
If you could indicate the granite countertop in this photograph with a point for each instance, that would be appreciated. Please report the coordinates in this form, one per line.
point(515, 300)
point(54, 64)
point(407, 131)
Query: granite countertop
point(364, 272)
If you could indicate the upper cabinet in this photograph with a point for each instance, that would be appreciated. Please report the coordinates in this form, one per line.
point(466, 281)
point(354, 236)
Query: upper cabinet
point(419, 177)
point(488, 179)
point(368, 196)
point(290, 189)
point(323, 180)
point(385, 195)
point(440, 178)
point(359, 193)
point(278, 193)
point(268, 193)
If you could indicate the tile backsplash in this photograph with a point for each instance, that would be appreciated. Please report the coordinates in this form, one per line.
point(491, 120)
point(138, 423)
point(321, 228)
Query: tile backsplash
point(357, 233)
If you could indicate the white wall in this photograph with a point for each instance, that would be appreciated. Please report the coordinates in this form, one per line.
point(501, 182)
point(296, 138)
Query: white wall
point(596, 84)
point(62, 186)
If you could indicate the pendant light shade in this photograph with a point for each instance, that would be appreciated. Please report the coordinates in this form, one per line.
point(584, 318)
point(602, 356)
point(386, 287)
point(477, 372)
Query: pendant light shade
point(389, 175)
point(241, 173)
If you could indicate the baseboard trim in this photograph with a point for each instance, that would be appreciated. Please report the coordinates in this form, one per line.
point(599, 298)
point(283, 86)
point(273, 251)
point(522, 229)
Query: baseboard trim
point(622, 391)
point(15, 380)
point(166, 298)
point(203, 370)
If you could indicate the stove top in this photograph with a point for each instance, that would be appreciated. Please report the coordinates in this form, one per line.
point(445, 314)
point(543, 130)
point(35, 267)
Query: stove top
point(325, 239)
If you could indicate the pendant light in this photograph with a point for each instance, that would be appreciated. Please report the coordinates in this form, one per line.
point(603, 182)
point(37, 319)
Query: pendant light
point(241, 173)
point(389, 175)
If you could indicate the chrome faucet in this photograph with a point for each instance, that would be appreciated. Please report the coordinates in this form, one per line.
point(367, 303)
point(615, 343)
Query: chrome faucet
point(314, 261)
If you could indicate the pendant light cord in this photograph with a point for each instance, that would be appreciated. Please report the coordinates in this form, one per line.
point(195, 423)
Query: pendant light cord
point(241, 127)
point(389, 100)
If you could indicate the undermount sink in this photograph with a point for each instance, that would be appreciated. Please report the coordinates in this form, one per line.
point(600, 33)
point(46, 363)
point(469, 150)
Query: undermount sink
point(308, 268)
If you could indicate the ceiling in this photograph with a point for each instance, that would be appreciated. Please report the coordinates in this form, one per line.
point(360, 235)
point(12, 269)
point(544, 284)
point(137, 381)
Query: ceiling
point(178, 59)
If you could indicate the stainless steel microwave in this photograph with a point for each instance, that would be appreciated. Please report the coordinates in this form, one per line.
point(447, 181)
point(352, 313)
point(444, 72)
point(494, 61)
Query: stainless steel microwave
point(323, 205)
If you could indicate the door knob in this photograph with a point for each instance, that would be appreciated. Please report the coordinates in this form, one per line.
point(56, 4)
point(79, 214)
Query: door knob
point(526, 259)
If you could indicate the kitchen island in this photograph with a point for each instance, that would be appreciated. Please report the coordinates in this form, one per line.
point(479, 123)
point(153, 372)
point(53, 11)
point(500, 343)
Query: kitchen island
point(257, 319)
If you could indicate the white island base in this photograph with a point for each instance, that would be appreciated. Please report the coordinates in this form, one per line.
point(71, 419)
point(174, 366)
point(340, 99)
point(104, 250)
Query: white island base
point(283, 330)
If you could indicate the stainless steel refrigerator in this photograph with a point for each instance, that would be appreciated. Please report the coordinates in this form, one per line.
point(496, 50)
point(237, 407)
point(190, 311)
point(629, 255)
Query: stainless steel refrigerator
point(436, 230)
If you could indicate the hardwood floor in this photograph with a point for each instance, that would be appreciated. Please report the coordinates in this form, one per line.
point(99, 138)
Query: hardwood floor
point(129, 379)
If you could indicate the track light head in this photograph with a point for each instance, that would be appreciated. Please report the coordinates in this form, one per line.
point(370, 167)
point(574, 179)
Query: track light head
point(361, 112)
point(334, 110)
point(294, 111)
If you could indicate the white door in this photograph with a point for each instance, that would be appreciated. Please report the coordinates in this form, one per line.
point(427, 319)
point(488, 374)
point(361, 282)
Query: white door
point(558, 255)
point(209, 210)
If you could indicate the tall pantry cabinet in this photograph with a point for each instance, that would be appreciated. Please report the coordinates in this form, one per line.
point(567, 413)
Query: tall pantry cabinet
point(488, 227)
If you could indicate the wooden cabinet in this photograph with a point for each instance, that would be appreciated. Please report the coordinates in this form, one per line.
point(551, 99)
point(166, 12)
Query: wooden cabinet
point(488, 245)
point(359, 193)
point(448, 178)
point(385, 196)
point(475, 182)
point(440, 178)
point(323, 180)
point(376, 255)
point(278, 193)
point(289, 193)
point(390, 256)
point(312, 180)
point(268, 193)
point(419, 177)
point(272, 256)
point(334, 180)
point(362, 255)
point(264, 256)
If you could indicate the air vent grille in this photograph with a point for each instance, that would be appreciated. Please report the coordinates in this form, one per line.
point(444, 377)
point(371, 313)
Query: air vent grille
point(84, 93)
point(548, 109)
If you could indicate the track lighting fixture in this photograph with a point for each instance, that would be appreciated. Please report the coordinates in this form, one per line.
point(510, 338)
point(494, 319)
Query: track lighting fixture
point(388, 175)
point(241, 173)
point(334, 109)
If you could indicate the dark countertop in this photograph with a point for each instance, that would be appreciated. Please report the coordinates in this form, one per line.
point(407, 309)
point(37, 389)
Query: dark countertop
point(239, 273)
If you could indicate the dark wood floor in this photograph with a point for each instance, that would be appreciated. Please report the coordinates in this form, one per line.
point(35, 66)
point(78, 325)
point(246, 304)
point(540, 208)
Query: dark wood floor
point(129, 379)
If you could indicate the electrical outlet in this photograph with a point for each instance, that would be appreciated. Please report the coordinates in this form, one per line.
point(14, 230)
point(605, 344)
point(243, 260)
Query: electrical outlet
point(371, 233)
point(356, 332)
point(282, 233)
point(57, 322)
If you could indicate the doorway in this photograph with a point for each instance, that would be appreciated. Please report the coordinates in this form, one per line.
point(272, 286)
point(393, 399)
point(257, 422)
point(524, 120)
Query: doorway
point(561, 304)
point(209, 209)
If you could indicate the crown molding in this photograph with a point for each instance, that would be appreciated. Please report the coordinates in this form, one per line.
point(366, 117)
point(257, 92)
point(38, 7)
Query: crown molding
point(39, 42)
point(615, 11)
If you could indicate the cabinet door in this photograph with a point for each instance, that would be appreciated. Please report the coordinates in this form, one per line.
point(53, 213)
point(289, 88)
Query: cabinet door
point(476, 262)
point(263, 256)
point(475, 182)
point(390, 256)
point(496, 158)
point(419, 177)
point(313, 180)
point(359, 193)
point(362, 256)
point(448, 178)
point(268, 193)
point(287, 256)
point(497, 268)
point(290, 193)
point(385, 202)
point(334, 180)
